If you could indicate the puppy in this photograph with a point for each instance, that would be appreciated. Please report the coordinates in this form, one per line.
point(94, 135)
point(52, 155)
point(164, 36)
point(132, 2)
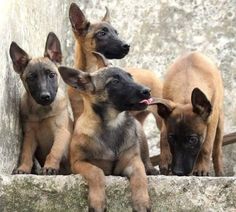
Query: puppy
point(45, 119)
point(106, 138)
point(192, 110)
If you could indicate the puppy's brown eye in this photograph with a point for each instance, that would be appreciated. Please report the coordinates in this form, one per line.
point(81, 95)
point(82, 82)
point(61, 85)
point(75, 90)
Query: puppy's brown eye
point(101, 33)
point(115, 81)
point(32, 76)
point(193, 140)
point(171, 139)
point(52, 75)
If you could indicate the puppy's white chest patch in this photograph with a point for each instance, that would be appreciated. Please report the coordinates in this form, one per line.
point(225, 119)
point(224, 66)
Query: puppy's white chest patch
point(119, 120)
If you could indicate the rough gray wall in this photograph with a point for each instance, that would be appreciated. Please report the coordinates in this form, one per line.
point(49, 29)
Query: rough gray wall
point(158, 32)
point(172, 194)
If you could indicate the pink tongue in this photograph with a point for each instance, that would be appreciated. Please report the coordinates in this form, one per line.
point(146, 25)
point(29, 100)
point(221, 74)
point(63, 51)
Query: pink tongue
point(146, 101)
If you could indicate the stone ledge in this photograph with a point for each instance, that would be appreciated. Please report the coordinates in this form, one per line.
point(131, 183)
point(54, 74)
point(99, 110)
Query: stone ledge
point(69, 193)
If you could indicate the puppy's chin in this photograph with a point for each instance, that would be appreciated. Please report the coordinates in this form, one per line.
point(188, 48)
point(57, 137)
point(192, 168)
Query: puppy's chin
point(117, 55)
point(135, 107)
point(44, 103)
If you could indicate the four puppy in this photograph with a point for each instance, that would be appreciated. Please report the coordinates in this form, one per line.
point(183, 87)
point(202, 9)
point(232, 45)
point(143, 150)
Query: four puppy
point(106, 138)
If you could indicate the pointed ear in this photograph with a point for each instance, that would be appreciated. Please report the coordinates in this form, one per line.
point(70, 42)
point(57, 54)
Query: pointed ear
point(76, 78)
point(53, 48)
point(164, 107)
point(19, 58)
point(78, 21)
point(201, 105)
point(106, 16)
point(101, 60)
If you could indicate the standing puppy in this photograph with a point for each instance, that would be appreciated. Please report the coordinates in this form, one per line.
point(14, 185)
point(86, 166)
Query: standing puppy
point(44, 114)
point(192, 110)
point(106, 138)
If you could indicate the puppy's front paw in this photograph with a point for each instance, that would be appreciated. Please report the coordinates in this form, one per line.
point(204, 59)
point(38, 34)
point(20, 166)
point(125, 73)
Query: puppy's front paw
point(165, 169)
point(201, 170)
point(20, 171)
point(152, 171)
point(49, 171)
point(201, 173)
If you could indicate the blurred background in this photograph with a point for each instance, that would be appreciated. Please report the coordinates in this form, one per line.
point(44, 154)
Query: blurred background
point(158, 31)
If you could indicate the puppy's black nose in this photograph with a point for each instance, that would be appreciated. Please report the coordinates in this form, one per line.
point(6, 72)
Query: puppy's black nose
point(45, 96)
point(146, 92)
point(125, 47)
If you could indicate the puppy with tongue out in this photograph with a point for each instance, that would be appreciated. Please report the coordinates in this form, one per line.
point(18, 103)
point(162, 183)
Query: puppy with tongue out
point(107, 139)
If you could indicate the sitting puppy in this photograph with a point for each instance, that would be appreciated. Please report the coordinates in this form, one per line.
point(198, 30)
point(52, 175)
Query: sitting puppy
point(192, 110)
point(44, 114)
point(106, 137)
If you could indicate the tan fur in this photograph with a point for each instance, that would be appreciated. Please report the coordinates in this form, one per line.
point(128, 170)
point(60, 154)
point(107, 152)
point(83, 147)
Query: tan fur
point(47, 129)
point(186, 73)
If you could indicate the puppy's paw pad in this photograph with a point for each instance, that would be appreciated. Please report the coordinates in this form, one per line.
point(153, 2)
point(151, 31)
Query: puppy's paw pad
point(49, 171)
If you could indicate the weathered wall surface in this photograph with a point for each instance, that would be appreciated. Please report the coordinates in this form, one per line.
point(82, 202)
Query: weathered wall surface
point(32, 193)
point(158, 32)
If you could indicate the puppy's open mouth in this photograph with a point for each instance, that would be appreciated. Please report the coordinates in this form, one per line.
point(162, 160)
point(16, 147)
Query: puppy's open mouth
point(146, 101)
point(141, 105)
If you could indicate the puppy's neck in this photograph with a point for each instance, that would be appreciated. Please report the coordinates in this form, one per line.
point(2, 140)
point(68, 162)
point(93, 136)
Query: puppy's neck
point(84, 59)
point(103, 111)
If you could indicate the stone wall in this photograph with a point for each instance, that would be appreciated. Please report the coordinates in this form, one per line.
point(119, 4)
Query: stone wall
point(158, 32)
point(172, 194)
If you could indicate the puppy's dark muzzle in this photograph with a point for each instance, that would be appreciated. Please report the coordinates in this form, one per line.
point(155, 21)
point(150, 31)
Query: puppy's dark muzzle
point(45, 99)
point(145, 93)
point(125, 48)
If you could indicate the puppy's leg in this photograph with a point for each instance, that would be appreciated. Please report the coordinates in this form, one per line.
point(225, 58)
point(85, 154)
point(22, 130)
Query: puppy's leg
point(60, 147)
point(96, 182)
point(150, 170)
point(165, 155)
point(217, 149)
point(202, 165)
point(28, 149)
point(138, 183)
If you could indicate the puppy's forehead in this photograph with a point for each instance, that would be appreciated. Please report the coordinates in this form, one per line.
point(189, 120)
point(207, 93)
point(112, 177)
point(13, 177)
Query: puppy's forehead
point(184, 120)
point(101, 25)
point(110, 72)
point(37, 64)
